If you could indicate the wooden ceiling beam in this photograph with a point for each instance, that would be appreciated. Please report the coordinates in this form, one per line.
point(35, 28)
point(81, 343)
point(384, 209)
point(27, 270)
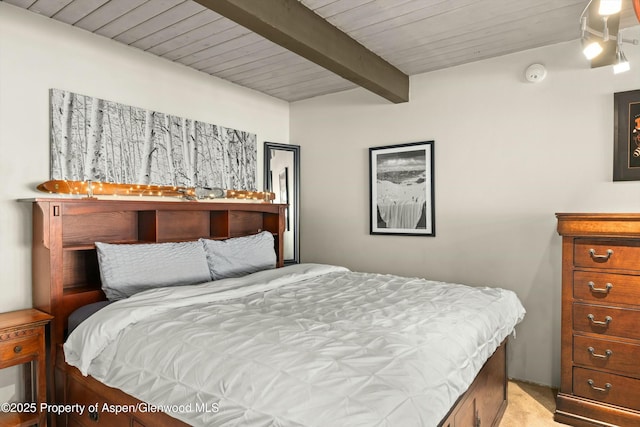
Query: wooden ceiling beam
point(297, 28)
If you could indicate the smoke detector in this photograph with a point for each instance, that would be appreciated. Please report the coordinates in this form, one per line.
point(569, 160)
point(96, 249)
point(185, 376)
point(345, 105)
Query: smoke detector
point(535, 73)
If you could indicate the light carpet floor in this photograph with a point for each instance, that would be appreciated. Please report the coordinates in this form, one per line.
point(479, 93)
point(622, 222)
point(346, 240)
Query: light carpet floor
point(530, 405)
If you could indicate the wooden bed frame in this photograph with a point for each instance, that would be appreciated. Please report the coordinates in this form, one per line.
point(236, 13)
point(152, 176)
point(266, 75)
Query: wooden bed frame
point(66, 276)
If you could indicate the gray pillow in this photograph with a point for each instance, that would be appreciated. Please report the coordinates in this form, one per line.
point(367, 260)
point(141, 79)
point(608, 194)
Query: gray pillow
point(128, 269)
point(239, 256)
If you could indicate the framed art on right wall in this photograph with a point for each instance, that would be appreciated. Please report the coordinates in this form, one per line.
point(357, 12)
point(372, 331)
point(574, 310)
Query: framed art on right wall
point(626, 136)
point(401, 189)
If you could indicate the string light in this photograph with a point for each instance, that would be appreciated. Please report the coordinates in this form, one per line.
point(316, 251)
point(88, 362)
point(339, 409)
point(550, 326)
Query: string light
point(115, 189)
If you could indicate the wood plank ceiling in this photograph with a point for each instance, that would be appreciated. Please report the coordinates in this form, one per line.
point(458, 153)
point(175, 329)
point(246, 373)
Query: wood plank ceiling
point(415, 36)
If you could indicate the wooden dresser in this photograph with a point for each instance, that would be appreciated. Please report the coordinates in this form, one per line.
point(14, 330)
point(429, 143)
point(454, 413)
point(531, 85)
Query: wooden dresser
point(600, 360)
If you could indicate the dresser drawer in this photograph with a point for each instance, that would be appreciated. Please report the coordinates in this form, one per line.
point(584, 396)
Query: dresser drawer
point(608, 388)
point(606, 287)
point(79, 394)
point(613, 321)
point(607, 254)
point(19, 348)
point(607, 354)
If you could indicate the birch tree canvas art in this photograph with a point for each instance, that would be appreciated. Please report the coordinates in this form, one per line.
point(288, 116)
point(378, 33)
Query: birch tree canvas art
point(99, 140)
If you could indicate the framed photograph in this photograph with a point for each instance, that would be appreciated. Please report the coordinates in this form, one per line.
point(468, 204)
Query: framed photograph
point(626, 136)
point(401, 189)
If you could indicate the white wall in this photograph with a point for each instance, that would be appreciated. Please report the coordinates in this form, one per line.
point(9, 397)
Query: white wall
point(37, 54)
point(508, 155)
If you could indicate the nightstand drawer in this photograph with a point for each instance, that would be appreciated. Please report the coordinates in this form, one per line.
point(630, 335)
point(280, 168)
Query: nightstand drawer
point(608, 388)
point(607, 254)
point(604, 320)
point(606, 287)
point(607, 354)
point(16, 349)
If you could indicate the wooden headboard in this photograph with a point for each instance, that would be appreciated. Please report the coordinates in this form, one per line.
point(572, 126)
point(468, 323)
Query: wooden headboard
point(65, 264)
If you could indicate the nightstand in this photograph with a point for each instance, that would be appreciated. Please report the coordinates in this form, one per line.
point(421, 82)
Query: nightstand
point(22, 340)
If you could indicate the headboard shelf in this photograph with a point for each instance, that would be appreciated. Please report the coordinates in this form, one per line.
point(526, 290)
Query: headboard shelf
point(65, 265)
point(91, 246)
point(94, 289)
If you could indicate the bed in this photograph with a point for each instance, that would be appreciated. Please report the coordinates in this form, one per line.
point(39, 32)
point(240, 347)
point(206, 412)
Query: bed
point(306, 344)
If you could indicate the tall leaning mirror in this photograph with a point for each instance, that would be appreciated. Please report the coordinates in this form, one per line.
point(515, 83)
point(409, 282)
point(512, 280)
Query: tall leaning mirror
point(282, 177)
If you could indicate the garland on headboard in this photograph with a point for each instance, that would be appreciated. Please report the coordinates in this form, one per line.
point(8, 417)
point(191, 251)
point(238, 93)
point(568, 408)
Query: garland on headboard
point(92, 188)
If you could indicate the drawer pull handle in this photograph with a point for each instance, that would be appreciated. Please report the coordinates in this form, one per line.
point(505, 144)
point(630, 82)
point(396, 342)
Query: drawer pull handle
point(606, 322)
point(607, 354)
point(604, 290)
point(17, 349)
point(600, 258)
point(606, 388)
point(93, 416)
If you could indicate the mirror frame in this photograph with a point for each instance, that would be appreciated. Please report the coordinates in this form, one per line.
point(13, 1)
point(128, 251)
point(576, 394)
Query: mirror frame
point(295, 203)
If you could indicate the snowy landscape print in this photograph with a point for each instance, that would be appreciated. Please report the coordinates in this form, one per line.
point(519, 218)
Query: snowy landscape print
point(99, 140)
point(402, 190)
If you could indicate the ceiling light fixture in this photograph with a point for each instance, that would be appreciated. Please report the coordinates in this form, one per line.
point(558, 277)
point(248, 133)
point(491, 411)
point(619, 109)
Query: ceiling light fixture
point(593, 39)
point(622, 64)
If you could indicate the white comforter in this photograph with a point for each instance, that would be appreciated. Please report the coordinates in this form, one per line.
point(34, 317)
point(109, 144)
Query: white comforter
point(310, 345)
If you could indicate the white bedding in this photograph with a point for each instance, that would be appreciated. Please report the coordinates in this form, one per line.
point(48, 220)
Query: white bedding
point(309, 344)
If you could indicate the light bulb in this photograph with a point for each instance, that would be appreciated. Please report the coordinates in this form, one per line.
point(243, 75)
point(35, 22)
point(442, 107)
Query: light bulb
point(621, 64)
point(592, 50)
point(621, 67)
point(609, 7)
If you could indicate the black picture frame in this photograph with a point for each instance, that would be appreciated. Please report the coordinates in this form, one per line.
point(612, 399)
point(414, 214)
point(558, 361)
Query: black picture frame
point(402, 189)
point(626, 136)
